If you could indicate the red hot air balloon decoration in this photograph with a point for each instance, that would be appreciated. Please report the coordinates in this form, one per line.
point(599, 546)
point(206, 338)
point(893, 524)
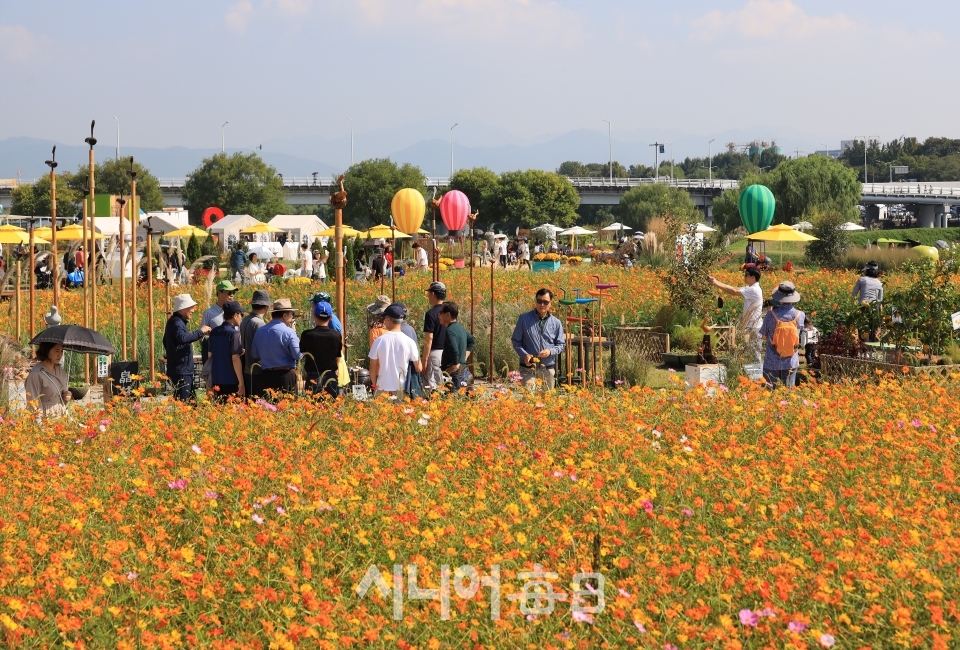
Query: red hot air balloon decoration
point(408, 208)
point(212, 215)
point(454, 209)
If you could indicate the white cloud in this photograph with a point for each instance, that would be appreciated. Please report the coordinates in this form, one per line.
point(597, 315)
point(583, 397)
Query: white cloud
point(239, 15)
point(770, 20)
point(18, 44)
point(290, 7)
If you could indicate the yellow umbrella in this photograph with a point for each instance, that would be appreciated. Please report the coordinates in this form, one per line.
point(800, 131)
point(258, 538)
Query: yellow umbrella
point(19, 237)
point(781, 233)
point(383, 232)
point(9, 227)
point(44, 232)
point(332, 232)
point(187, 232)
point(74, 233)
point(260, 228)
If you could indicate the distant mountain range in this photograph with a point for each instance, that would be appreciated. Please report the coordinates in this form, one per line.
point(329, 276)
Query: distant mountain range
point(475, 144)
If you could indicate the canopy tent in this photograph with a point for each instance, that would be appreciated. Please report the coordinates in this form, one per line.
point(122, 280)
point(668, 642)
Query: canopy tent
point(300, 228)
point(616, 226)
point(573, 232)
point(187, 232)
point(227, 230)
point(160, 223)
point(702, 228)
point(849, 225)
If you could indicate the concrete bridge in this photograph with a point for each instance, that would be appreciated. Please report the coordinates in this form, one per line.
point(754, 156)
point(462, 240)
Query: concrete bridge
point(930, 202)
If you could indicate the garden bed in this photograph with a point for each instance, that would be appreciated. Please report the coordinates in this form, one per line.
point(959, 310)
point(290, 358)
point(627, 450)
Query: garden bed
point(856, 369)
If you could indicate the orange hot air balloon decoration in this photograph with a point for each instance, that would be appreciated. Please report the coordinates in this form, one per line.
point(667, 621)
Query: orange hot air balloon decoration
point(408, 208)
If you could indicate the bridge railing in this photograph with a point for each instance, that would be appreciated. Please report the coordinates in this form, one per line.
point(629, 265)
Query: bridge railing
point(685, 183)
point(909, 189)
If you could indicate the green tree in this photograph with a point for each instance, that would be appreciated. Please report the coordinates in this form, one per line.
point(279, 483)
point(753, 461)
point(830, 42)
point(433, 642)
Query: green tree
point(640, 171)
point(111, 177)
point(370, 186)
point(194, 250)
point(814, 182)
point(237, 184)
point(34, 200)
point(831, 241)
point(480, 185)
point(534, 197)
point(642, 203)
point(573, 169)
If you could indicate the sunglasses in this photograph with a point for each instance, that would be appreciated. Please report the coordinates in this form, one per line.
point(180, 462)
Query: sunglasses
point(540, 301)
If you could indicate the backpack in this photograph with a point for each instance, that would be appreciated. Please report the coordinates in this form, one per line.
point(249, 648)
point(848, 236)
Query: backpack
point(786, 337)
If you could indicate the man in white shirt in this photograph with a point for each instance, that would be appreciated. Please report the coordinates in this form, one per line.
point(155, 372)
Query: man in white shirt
point(502, 252)
point(306, 261)
point(392, 354)
point(422, 262)
point(752, 295)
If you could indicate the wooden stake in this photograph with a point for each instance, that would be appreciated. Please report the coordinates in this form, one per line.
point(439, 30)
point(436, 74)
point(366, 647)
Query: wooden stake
point(492, 315)
point(123, 286)
point(17, 292)
point(150, 322)
point(134, 210)
point(33, 283)
point(53, 227)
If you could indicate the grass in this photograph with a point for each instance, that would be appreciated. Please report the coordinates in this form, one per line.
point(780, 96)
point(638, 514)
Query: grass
point(926, 236)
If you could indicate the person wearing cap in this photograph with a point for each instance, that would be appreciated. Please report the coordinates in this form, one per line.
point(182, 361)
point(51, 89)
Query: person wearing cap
point(321, 348)
point(776, 368)
point(277, 346)
point(393, 355)
point(458, 346)
point(178, 346)
point(213, 317)
point(252, 322)
point(226, 349)
point(434, 337)
point(375, 318)
point(868, 287)
point(323, 296)
point(537, 339)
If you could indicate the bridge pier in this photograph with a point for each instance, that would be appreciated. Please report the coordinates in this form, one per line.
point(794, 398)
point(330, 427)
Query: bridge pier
point(926, 215)
point(873, 215)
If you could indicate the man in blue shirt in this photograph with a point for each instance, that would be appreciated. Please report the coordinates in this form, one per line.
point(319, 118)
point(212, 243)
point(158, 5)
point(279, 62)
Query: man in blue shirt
point(178, 345)
point(226, 369)
point(323, 296)
point(777, 368)
point(537, 340)
point(277, 346)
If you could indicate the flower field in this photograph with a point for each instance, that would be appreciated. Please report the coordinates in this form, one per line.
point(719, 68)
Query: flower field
point(753, 519)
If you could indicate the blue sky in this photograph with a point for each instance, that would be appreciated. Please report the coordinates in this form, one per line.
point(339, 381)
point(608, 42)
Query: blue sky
point(507, 70)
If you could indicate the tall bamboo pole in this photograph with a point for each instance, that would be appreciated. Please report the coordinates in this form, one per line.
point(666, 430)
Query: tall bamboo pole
point(436, 247)
point(492, 319)
point(150, 322)
point(339, 202)
point(133, 210)
point(86, 284)
point(92, 251)
point(393, 270)
point(52, 163)
point(123, 285)
point(470, 220)
point(19, 279)
point(33, 282)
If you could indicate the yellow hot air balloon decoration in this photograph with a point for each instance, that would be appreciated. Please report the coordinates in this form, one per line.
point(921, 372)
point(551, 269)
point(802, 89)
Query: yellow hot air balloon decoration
point(408, 208)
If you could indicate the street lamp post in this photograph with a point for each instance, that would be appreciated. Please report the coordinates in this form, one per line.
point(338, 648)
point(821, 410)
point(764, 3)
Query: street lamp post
point(710, 157)
point(451, 148)
point(866, 139)
point(671, 161)
point(118, 136)
point(610, 144)
point(351, 140)
point(656, 159)
point(52, 163)
point(223, 137)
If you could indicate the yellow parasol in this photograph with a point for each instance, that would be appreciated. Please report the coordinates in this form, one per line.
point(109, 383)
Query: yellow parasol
point(781, 233)
point(384, 232)
point(19, 237)
point(332, 232)
point(74, 233)
point(187, 232)
point(260, 228)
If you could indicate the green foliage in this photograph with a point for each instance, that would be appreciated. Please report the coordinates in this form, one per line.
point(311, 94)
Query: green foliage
point(111, 177)
point(936, 159)
point(924, 306)
point(480, 185)
point(641, 204)
point(686, 280)
point(814, 182)
point(370, 186)
point(926, 236)
point(238, 184)
point(34, 200)
point(732, 165)
point(576, 169)
point(831, 241)
point(209, 247)
point(194, 249)
point(533, 197)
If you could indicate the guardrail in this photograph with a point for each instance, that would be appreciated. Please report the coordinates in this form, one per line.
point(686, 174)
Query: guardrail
point(909, 189)
point(685, 183)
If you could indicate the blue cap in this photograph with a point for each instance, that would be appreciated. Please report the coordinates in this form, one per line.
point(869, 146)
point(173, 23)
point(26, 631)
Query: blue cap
point(396, 311)
point(323, 309)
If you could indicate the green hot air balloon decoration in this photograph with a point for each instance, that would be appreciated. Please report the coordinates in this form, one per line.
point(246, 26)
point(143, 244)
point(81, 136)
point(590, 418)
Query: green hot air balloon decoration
point(756, 208)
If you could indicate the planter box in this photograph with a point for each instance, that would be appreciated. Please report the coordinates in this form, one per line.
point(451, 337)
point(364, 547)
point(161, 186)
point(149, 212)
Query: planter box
point(670, 360)
point(686, 359)
point(847, 368)
point(547, 267)
point(458, 264)
point(703, 373)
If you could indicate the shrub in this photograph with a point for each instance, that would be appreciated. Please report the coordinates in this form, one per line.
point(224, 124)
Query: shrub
point(855, 259)
point(831, 241)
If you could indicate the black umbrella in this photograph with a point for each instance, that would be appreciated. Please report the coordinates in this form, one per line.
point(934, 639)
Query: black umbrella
point(76, 338)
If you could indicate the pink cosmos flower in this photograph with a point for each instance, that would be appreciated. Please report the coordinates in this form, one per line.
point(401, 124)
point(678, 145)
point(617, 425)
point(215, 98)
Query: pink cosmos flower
point(748, 617)
point(797, 626)
point(624, 593)
point(640, 627)
point(179, 484)
point(582, 617)
point(766, 611)
point(647, 505)
point(257, 518)
point(196, 449)
point(916, 423)
point(132, 575)
point(210, 494)
point(267, 405)
point(688, 512)
point(827, 640)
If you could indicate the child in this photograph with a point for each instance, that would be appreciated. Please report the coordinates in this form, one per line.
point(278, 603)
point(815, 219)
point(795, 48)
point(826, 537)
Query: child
point(812, 340)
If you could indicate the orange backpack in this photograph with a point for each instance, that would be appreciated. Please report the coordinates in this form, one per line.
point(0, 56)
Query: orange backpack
point(786, 337)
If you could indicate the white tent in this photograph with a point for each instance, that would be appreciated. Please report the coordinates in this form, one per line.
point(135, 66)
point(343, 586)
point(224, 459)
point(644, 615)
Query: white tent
point(227, 230)
point(851, 226)
point(613, 227)
point(702, 228)
point(300, 228)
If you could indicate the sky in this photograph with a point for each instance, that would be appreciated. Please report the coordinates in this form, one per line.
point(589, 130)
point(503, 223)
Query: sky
point(506, 71)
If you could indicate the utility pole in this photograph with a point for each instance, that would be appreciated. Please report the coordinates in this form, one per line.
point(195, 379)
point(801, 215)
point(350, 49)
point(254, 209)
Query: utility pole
point(866, 141)
point(657, 149)
point(223, 137)
point(710, 157)
point(610, 144)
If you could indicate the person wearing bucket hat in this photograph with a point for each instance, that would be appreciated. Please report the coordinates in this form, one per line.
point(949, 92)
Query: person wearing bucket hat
point(277, 346)
point(252, 322)
point(178, 346)
point(323, 296)
point(780, 333)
